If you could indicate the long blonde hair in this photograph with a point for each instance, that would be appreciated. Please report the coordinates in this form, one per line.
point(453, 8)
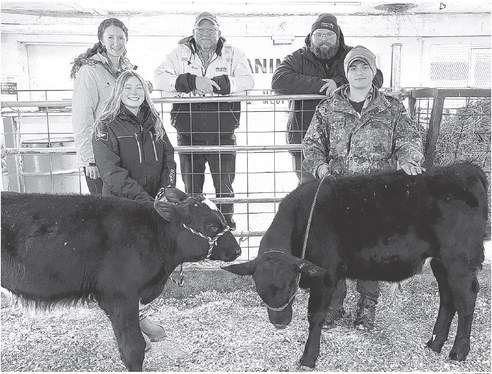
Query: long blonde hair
point(113, 107)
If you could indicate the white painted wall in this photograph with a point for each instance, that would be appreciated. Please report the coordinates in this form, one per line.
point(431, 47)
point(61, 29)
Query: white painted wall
point(38, 51)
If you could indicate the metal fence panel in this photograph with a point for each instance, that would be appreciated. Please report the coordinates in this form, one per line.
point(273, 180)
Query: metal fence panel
point(38, 153)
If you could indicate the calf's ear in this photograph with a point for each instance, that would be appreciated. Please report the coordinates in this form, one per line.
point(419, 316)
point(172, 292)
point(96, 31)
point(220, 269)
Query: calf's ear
point(166, 210)
point(246, 268)
point(174, 195)
point(309, 269)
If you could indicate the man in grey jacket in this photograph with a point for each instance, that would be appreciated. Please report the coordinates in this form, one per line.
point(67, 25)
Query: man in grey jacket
point(204, 64)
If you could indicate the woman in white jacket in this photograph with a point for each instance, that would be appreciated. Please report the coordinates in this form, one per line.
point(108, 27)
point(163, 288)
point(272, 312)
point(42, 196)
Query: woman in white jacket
point(95, 72)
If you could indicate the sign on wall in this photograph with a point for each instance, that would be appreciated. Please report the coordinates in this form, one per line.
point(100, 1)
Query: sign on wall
point(9, 85)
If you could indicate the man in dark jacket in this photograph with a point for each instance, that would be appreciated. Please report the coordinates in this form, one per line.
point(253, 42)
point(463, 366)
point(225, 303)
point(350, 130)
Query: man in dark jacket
point(316, 68)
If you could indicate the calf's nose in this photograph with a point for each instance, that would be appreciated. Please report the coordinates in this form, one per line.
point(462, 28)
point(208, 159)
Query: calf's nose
point(237, 252)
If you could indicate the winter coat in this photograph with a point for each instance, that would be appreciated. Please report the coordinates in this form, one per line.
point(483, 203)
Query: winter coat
point(177, 74)
point(131, 162)
point(302, 73)
point(352, 143)
point(91, 91)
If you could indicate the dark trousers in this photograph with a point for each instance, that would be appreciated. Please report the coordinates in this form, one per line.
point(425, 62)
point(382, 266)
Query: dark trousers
point(95, 185)
point(369, 289)
point(303, 175)
point(222, 167)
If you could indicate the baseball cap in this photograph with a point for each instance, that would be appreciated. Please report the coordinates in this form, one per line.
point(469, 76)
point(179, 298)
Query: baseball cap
point(206, 16)
point(360, 53)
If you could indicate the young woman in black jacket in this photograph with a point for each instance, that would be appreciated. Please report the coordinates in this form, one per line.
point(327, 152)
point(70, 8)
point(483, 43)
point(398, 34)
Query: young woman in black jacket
point(134, 156)
point(131, 148)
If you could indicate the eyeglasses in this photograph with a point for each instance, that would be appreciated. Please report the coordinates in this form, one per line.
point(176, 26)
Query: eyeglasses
point(324, 36)
point(201, 30)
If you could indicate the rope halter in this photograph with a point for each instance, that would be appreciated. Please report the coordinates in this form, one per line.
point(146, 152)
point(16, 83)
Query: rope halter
point(211, 243)
point(298, 278)
point(306, 236)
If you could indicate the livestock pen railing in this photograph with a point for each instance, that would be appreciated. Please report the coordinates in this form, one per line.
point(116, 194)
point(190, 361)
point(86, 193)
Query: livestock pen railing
point(38, 153)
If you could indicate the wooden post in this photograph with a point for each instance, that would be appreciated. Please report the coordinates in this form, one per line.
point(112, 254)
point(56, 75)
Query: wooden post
point(434, 128)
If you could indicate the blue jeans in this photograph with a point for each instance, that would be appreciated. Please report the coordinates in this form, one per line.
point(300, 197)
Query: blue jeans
point(222, 168)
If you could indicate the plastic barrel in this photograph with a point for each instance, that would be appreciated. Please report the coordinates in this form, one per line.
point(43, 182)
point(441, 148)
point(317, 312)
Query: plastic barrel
point(50, 173)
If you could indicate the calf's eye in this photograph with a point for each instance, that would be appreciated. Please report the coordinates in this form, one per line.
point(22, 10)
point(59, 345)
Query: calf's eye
point(211, 227)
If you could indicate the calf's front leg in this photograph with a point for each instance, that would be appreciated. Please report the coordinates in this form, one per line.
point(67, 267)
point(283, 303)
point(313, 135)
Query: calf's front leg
point(319, 300)
point(123, 314)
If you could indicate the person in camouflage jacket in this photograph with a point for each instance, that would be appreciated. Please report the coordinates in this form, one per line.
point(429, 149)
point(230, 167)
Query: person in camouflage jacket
point(360, 130)
point(345, 142)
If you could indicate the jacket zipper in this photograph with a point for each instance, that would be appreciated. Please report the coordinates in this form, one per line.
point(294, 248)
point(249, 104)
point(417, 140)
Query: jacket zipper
point(139, 148)
point(153, 145)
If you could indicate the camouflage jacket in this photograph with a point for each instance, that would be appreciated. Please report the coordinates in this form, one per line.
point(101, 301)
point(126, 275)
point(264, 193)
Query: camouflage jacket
point(349, 142)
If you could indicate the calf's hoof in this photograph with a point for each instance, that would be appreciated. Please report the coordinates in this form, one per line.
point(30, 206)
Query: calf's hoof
point(458, 354)
point(301, 367)
point(306, 365)
point(435, 345)
point(280, 326)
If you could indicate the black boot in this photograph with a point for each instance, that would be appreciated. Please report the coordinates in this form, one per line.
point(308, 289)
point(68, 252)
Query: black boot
point(366, 313)
point(333, 315)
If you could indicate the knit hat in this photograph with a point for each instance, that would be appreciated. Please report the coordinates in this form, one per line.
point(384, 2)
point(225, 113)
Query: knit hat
point(360, 53)
point(326, 21)
point(206, 16)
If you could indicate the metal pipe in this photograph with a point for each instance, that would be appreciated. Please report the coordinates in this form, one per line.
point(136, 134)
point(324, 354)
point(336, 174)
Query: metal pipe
point(169, 100)
point(178, 149)
point(395, 81)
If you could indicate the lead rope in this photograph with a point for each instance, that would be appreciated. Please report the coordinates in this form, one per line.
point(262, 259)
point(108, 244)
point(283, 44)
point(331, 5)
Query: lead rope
point(304, 246)
point(180, 281)
point(211, 243)
point(306, 236)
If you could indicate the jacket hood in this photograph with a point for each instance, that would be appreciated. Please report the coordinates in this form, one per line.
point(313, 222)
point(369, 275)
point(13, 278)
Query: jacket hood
point(375, 98)
point(100, 58)
point(190, 42)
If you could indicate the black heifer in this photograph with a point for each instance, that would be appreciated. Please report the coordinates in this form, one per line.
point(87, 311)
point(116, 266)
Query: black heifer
point(61, 249)
point(377, 227)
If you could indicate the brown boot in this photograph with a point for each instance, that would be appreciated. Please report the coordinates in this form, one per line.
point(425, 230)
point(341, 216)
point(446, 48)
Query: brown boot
point(154, 331)
point(366, 313)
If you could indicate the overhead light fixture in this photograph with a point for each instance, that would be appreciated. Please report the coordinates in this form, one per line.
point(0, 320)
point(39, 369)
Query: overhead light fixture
point(396, 8)
point(282, 39)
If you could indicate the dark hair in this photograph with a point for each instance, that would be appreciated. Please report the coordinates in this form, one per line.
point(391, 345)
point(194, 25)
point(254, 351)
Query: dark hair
point(98, 47)
point(111, 22)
